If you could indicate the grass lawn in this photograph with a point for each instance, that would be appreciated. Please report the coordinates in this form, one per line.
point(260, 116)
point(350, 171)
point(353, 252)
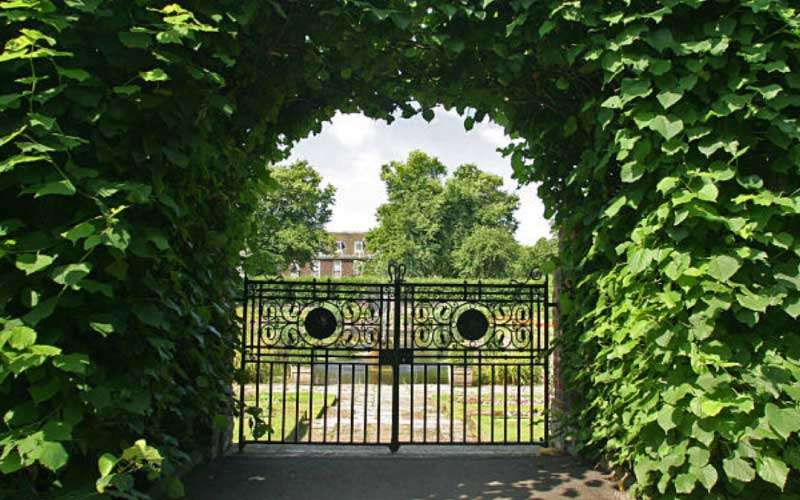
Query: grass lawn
point(499, 422)
point(285, 425)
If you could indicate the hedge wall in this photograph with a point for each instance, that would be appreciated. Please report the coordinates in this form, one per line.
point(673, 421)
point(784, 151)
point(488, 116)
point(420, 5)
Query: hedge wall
point(664, 136)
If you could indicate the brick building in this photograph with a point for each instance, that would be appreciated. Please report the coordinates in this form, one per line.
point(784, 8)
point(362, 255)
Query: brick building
point(348, 259)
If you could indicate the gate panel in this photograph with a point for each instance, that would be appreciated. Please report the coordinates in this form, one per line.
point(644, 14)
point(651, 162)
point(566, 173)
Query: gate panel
point(312, 351)
point(478, 373)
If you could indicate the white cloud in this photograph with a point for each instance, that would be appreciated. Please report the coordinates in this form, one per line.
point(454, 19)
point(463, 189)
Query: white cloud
point(351, 130)
point(494, 135)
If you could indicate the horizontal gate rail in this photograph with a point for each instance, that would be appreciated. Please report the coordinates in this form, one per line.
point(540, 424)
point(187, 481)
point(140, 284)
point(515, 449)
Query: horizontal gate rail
point(394, 363)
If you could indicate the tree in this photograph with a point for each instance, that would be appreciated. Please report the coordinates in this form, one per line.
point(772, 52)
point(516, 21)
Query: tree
point(532, 258)
point(428, 217)
point(289, 221)
point(409, 225)
point(488, 252)
point(473, 199)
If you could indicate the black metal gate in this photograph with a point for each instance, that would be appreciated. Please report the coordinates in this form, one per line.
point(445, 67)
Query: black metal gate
point(395, 363)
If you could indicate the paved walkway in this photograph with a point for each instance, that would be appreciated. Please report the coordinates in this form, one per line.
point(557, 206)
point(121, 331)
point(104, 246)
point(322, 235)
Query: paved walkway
point(413, 473)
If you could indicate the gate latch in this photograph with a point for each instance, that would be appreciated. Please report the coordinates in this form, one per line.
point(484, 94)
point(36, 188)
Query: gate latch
point(388, 356)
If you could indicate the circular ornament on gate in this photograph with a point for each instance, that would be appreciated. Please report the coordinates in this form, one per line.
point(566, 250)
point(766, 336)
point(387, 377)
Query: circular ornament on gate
point(320, 323)
point(472, 324)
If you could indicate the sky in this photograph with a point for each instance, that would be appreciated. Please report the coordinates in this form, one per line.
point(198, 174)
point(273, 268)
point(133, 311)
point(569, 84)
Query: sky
point(351, 148)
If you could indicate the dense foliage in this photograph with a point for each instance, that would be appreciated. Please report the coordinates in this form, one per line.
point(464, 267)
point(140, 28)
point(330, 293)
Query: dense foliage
point(430, 216)
point(664, 135)
point(288, 226)
point(487, 252)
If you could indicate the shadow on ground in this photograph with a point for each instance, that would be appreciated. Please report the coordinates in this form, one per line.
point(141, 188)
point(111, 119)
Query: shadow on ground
point(388, 477)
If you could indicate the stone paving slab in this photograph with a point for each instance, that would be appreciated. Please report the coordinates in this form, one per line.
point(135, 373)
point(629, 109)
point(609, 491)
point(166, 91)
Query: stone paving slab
point(412, 473)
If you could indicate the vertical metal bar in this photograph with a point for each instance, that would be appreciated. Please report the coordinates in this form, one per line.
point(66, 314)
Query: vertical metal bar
point(258, 354)
point(339, 405)
point(311, 399)
point(452, 401)
point(491, 420)
point(380, 380)
point(283, 402)
point(531, 399)
point(438, 401)
point(297, 405)
point(464, 372)
point(519, 403)
point(480, 407)
point(411, 376)
point(425, 403)
point(366, 398)
point(352, 400)
point(269, 418)
point(245, 303)
point(395, 444)
point(505, 403)
point(547, 359)
point(325, 401)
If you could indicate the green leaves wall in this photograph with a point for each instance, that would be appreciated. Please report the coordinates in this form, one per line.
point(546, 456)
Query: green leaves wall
point(664, 136)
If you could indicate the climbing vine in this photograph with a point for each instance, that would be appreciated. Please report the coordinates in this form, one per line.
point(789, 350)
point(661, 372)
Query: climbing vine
point(664, 136)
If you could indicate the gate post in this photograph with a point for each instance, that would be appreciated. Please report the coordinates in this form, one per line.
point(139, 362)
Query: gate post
point(561, 401)
point(245, 305)
point(396, 273)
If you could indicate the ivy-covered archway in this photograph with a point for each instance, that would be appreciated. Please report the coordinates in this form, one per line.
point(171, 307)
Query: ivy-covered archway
point(133, 137)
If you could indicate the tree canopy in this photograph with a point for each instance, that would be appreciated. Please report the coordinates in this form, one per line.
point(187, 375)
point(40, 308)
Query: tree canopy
point(429, 216)
point(289, 220)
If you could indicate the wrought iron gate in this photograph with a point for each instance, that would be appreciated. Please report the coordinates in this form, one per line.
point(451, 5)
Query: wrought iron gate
point(395, 363)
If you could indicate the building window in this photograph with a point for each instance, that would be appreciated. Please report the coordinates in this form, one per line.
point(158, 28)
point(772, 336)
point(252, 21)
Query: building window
point(337, 268)
point(315, 268)
point(358, 268)
point(340, 246)
point(294, 270)
point(360, 247)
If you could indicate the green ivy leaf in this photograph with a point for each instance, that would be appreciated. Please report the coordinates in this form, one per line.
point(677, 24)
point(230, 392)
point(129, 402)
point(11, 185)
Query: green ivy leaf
point(666, 418)
point(74, 74)
point(71, 274)
point(106, 463)
point(772, 470)
point(10, 163)
point(784, 421)
point(739, 469)
point(31, 263)
point(710, 407)
point(61, 187)
point(792, 307)
point(631, 171)
point(72, 363)
point(668, 98)
point(723, 267)
point(615, 206)
point(136, 40)
point(667, 126)
point(52, 455)
point(752, 301)
point(684, 483)
point(80, 231)
point(175, 488)
point(154, 75)
point(640, 260)
point(21, 337)
point(708, 476)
